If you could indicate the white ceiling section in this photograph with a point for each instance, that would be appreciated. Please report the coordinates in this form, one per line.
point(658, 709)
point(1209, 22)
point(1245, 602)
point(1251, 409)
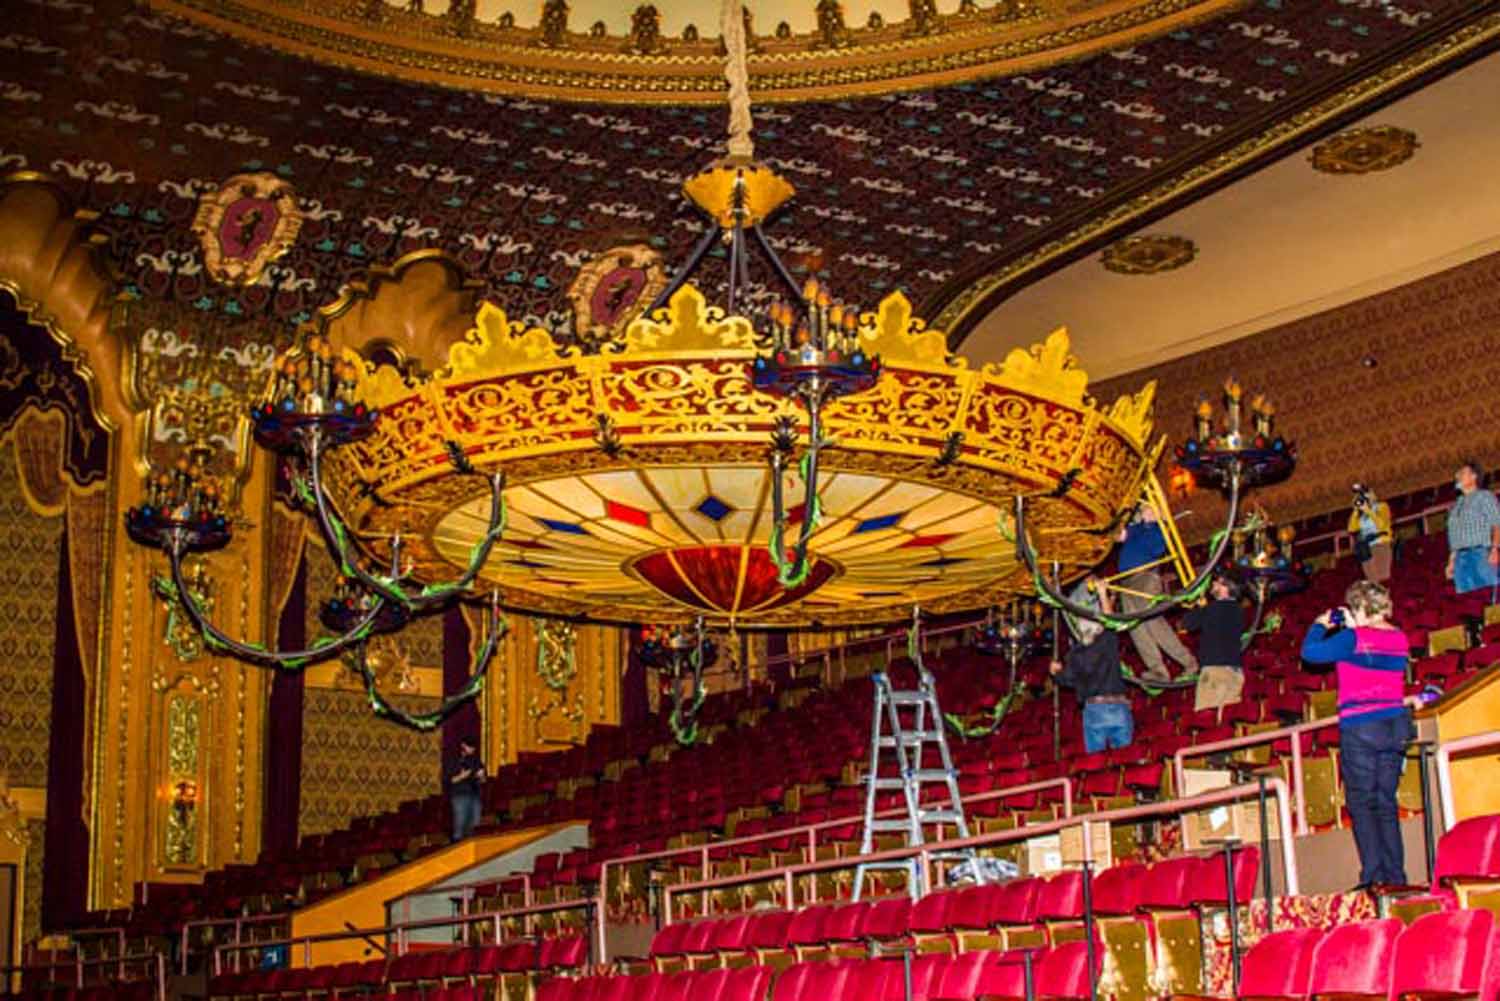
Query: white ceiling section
point(1284, 243)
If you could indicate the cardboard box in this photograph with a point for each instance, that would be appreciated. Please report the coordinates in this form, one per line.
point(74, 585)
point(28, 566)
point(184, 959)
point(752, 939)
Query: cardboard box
point(1203, 829)
point(1064, 850)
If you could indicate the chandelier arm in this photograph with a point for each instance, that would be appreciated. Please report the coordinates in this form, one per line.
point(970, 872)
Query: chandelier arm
point(793, 572)
point(254, 653)
point(782, 273)
point(1248, 637)
point(689, 268)
point(1123, 621)
point(430, 596)
point(684, 725)
point(495, 630)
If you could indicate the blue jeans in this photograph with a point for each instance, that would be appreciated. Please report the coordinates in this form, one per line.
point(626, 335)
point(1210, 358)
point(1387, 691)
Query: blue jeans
point(1472, 570)
point(466, 811)
point(1107, 725)
point(1371, 756)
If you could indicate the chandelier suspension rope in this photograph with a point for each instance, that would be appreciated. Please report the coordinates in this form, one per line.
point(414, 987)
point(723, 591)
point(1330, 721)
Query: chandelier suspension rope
point(736, 70)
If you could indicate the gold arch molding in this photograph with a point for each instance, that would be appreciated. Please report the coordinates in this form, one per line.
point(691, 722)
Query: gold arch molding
point(936, 45)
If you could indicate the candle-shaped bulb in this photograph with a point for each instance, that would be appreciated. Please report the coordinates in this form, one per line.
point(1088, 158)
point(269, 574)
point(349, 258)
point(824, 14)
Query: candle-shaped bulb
point(1202, 419)
point(810, 289)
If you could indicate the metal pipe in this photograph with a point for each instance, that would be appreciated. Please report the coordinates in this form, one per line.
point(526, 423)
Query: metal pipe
point(1429, 839)
point(1088, 914)
point(1234, 917)
point(1267, 888)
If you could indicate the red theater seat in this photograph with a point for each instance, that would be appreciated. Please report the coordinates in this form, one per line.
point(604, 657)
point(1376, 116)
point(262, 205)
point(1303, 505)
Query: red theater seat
point(1280, 965)
point(1450, 954)
point(1354, 960)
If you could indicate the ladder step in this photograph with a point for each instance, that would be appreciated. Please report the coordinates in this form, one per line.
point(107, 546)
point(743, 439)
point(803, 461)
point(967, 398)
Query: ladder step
point(885, 783)
point(941, 816)
point(909, 698)
point(911, 737)
point(965, 856)
point(889, 824)
point(932, 774)
point(891, 864)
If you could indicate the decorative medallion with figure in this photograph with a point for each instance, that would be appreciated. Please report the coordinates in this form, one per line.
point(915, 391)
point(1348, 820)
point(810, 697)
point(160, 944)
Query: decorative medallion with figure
point(613, 288)
point(244, 225)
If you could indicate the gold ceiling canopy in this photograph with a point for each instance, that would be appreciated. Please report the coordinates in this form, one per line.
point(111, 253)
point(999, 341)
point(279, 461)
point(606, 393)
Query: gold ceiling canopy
point(637, 482)
point(670, 53)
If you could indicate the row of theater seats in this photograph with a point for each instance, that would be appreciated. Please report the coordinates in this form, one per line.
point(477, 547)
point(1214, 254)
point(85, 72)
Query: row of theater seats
point(1449, 955)
point(450, 968)
point(1023, 910)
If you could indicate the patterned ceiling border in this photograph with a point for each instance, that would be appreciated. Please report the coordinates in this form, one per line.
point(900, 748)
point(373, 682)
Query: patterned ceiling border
point(960, 311)
point(516, 61)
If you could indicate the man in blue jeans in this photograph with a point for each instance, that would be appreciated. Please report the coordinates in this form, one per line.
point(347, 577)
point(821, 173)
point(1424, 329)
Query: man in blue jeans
point(463, 788)
point(1092, 670)
point(1473, 533)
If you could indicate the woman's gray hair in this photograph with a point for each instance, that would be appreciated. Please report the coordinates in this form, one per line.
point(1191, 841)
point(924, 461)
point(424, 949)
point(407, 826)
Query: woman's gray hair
point(1368, 599)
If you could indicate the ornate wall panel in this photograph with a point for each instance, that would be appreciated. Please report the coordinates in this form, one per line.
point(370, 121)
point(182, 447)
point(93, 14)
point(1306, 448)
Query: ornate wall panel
point(36, 859)
point(551, 682)
point(355, 765)
point(28, 612)
point(1405, 422)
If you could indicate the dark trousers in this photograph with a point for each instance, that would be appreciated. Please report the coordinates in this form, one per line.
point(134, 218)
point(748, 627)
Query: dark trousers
point(466, 811)
point(1371, 756)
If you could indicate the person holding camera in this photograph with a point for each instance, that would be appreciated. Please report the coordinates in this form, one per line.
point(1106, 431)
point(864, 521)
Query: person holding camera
point(1473, 532)
point(463, 788)
point(1369, 654)
point(1370, 524)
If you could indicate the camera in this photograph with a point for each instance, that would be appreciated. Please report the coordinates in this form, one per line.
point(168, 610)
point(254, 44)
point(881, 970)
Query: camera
point(1362, 496)
point(1336, 618)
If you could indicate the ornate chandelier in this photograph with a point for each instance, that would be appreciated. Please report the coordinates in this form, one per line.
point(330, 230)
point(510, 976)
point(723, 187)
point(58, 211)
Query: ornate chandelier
point(627, 479)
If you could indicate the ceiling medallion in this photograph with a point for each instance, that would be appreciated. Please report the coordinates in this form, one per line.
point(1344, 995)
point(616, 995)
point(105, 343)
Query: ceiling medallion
point(613, 288)
point(246, 223)
point(1148, 255)
point(1365, 151)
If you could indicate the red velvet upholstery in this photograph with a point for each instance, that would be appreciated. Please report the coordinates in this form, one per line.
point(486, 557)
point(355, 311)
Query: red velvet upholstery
point(1355, 959)
point(1447, 954)
point(1280, 965)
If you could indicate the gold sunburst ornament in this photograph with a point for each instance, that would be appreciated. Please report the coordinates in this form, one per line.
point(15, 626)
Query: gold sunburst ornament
point(1365, 150)
point(1150, 254)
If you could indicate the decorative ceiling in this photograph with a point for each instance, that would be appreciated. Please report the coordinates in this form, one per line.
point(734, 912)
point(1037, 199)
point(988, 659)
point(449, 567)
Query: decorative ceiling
point(671, 53)
point(956, 195)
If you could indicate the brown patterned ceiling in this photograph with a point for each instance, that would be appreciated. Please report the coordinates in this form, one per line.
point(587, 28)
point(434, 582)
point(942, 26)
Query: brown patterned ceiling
point(954, 195)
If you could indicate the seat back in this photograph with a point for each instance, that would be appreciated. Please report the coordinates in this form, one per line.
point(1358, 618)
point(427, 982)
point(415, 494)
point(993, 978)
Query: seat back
point(1017, 904)
point(887, 918)
point(769, 929)
point(750, 983)
point(1064, 972)
point(1211, 885)
point(1447, 952)
point(1061, 897)
point(930, 914)
point(958, 976)
point(807, 925)
point(844, 922)
point(1356, 959)
point(1117, 890)
point(1280, 965)
point(1470, 850)
point(668, 941)
point(1167, 885)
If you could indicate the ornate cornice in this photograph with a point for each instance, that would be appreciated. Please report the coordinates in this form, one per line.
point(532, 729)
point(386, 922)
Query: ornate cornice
point(520, 61)
point(960, 312)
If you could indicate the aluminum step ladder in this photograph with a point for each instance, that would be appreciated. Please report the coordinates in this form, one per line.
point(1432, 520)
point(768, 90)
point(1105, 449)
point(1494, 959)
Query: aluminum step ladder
point(908, 741)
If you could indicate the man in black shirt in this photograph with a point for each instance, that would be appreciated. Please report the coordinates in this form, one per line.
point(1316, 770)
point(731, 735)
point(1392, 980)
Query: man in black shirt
point(1218, 624)
point(463, 788)
point(1092, 670)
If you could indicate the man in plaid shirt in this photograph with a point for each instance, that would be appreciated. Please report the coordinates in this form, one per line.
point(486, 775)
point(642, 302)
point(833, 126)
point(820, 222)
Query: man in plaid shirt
point(1473, 533)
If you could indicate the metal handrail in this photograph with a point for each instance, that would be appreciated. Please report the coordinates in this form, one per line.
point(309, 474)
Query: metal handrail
point(1292, 732)
point(1445, 753)
point(810, 831)
point(924, 853)
point(238, 924)
point(8, 974)
point(401, 930)
point(1339, 534)
point(465, 893)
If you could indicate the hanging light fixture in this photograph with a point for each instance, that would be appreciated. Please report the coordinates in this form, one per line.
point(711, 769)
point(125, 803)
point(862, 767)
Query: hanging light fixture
point(311, 408)
point(1233, 455)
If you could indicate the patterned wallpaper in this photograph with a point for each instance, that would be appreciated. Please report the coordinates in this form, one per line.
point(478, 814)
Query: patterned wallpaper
point(352, 763)
point(1431, 398)
point(355, 765)
point(28, 610)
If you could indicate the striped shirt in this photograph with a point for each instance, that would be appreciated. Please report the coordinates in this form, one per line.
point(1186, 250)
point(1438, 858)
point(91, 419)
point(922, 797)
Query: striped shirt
point(1472, 520)
point(1371, 665)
